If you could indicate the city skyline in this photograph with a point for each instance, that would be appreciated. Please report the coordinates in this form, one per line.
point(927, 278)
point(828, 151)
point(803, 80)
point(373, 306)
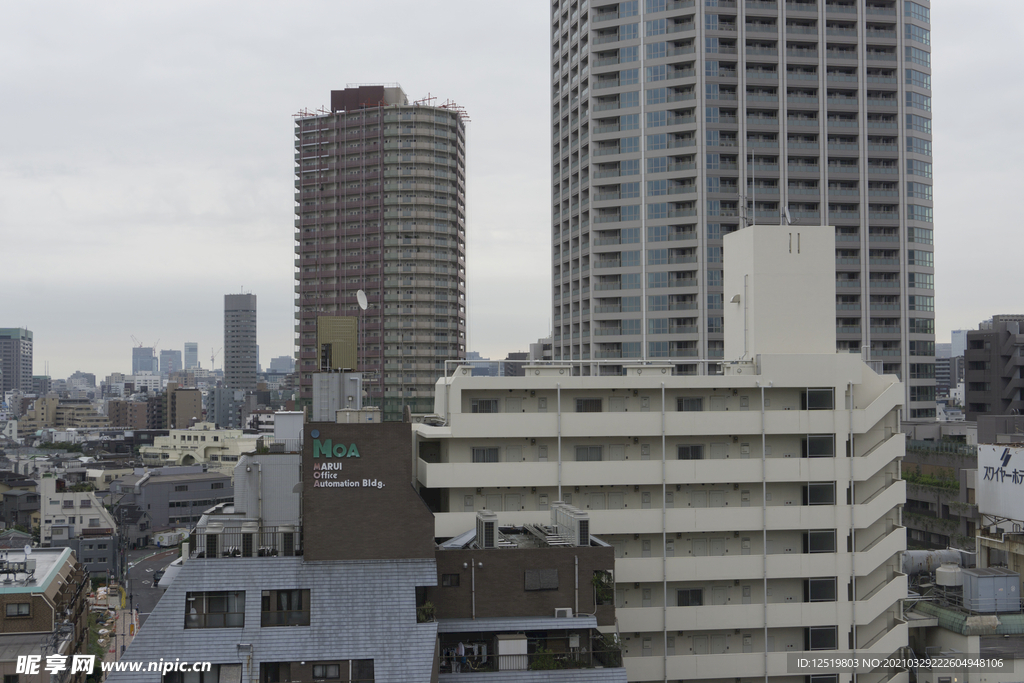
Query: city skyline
point(202, 152)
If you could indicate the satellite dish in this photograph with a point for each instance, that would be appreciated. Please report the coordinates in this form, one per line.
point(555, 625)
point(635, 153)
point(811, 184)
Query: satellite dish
point(361, 298)
point(28, 550)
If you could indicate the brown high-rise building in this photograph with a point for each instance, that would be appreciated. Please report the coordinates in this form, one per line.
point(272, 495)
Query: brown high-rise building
point(15, 359)
point(241, 361)
point(380, 207)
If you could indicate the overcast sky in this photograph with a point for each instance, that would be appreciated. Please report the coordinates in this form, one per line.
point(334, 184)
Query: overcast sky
point(146, 161)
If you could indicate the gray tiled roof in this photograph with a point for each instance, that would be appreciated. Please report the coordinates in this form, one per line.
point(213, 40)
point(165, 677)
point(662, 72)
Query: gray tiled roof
point(514, 624)
point(359, 610)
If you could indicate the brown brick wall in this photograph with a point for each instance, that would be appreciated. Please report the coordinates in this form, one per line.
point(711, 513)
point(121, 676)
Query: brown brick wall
point(365, 522)
point(500, 583)
point(39, 620)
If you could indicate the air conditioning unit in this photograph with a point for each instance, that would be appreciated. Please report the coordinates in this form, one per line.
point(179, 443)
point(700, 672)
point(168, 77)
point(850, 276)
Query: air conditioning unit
point(486, 529)
point(563, 613)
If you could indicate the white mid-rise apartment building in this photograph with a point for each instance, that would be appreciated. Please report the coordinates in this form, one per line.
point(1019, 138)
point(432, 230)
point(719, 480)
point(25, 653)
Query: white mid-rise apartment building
point(754, 514)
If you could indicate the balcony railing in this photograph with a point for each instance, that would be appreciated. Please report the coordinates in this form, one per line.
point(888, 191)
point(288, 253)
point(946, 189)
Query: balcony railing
point(241, 541)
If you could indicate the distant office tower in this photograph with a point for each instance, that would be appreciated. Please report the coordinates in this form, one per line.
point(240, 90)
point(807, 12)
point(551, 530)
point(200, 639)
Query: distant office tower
point(958, 344)
point(191, 355)
point(673, 121)
point(240, 362)
point(282, 364)
point(170, 361)
point(144, 360)
point(380, 186)
point(995, 368)
point(15, 359)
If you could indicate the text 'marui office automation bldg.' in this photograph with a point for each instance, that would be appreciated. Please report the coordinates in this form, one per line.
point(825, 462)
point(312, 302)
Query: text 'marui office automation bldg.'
point(673, 121)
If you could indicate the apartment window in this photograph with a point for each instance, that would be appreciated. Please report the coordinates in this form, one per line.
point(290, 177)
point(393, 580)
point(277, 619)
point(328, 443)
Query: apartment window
point(918, 78)
point(85, 503)
point(919, 168)
point(656, 51)
point(690, 597)
point(656, 27)
point(919, 258)
point(921, 348)
point(715, 324)
point(19, 609)
point(326, 671)
point(658, 141)
point(919, 146)
point(821, 638)
point(68, 504)
point(919, 213)
point(926, 393)
point(820, 541)
point(693, 451)
point(657, 349)
point(919, 235)
point(819, 446)
point(629, 191)
point(10, 678)
point(485, 455)
point(922, 371)
point(588, 453)
point(920, 57)
point(484, 405)
point(921, 35)
point(919, 191)
point(823, 493)
point(182, 487)
point(918, 101)
point(919, 123)
point(922, 325)
point(657, 165)
point(921, 280)
point(449, 580)
point(820, 590)
point(657, 188)
point(658, 257)
point(588, 405)
point(215, 609)
point(916, 11)
point(687, 405)
point(656, 6)
point(818, 399)
point(285, 608)
point(921, 303)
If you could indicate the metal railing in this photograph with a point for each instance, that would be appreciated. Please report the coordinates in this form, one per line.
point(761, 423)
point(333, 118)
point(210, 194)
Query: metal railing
point(236, 541)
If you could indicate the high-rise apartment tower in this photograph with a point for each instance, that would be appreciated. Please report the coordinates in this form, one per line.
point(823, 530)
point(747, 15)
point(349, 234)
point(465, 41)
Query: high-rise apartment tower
point(675, 122)
point(240, 351)
point(380, 207)
point(15, 360)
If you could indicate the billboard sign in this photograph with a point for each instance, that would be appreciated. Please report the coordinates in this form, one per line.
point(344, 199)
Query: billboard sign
point(1000, 481)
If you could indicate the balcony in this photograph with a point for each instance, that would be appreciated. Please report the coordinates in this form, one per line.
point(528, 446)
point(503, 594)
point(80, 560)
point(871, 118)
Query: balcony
point(217, 540)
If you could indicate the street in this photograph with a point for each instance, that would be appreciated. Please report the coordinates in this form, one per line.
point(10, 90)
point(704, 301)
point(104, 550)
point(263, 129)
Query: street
point(143, 595)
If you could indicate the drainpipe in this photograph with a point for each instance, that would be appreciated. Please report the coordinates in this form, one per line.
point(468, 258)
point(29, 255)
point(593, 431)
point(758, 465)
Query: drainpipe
point(764, 526)
point(853, 526)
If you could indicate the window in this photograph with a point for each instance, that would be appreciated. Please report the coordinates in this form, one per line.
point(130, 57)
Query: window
point(656, 6)
point(916, 11)
point(588, 405)
point(181, 487)
point(919, 146)
point(919, 235)
point(921, 168)
point(485, 455)
point(215, 609)
point(921, 57)
point(918, 101)
point(19, 609)
point(656, 27)
point(540, 580)
point(715, 324)
point(656, 188)
point(656, 51)
point(922, 371)
point(919, 78)
point(657, 165)
point(657, 210)
point(658, 257)
point(820, 541)
point(85, 503)
point(921, 35)
point(690, 597)
point(217, 485)
point(657, 349)
point(922, 348)
point(484, 405)
point(657, 326)
point(922, 393)
point(285, 608)
point(588, 453)
point(818, 399)
point(658, 141)
point(921, 303)
point(919, 123)
point(820, 494)
point(449, 580)
point(920, 213)
point(629, 191)
point(629, 76)
point(921, 280)
point(820, 590)
point(325, 671)
point(819, 446)
point(821, 638)
point(919, 191)
point(919, 258)
point(693, 451)
point(684, 405)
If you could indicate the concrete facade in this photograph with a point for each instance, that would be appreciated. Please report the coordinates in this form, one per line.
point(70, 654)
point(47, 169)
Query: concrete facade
point(994, 368)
